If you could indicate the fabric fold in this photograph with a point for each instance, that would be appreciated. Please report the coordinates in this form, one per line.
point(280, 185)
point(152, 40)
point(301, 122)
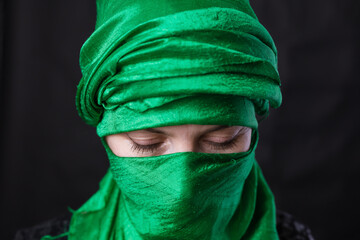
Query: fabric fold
point(215, 50)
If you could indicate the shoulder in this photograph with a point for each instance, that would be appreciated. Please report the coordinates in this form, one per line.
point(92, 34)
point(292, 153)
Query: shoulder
point(290, 229)
point(52, 227)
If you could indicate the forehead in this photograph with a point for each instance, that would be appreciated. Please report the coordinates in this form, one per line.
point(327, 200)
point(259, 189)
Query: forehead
point(187, 129)
point(214, 110)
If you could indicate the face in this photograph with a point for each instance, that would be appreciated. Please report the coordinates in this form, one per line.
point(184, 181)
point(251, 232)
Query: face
point(182, 138)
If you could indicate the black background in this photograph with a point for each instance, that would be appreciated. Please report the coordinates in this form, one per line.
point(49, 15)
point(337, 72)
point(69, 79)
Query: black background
point(308, 149)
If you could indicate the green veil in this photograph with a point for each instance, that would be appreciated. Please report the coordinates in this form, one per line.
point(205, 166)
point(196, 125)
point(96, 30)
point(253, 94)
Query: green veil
point(162, 63)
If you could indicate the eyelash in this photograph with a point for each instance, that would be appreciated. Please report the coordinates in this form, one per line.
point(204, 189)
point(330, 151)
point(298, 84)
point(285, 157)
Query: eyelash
point(144, 148)
point(215, 146)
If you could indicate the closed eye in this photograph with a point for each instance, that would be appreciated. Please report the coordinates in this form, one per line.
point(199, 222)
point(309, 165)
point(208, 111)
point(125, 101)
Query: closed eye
point(209, 142)
point(228, 145)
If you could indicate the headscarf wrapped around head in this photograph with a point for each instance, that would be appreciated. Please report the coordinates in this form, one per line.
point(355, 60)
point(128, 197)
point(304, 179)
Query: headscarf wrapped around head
point(145, 55)
point(161, 63)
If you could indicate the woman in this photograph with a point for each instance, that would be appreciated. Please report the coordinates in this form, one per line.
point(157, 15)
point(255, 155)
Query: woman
point(173, 89)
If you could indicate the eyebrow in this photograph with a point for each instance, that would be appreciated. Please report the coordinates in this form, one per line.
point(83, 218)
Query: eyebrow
point(207, 131)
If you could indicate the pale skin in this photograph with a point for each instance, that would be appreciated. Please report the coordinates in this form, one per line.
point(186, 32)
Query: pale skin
point(181, 138)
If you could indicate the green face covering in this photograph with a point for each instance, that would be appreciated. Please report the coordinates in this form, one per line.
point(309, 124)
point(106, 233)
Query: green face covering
point(182, 62)
point(186, 195)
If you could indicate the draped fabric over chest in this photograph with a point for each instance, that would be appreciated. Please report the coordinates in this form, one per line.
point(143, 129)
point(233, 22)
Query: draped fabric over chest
point(163, 63)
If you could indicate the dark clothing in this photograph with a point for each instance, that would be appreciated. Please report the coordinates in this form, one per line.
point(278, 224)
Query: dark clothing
point(287, 227)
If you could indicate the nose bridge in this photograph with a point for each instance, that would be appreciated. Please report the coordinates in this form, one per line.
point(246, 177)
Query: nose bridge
point(185, 145)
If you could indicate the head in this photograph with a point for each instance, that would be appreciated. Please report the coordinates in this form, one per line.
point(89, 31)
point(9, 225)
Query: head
point(160, 56)
point(147, 102)
point(173, 92)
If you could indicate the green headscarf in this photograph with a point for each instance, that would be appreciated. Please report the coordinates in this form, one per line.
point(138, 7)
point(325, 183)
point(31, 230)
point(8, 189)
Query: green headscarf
point(162, 63)
point(144, 54)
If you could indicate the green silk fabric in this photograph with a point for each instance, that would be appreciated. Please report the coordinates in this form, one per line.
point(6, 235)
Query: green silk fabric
point(154, 52)
point(201, 109)
point(163, 63)
point(186, 195)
